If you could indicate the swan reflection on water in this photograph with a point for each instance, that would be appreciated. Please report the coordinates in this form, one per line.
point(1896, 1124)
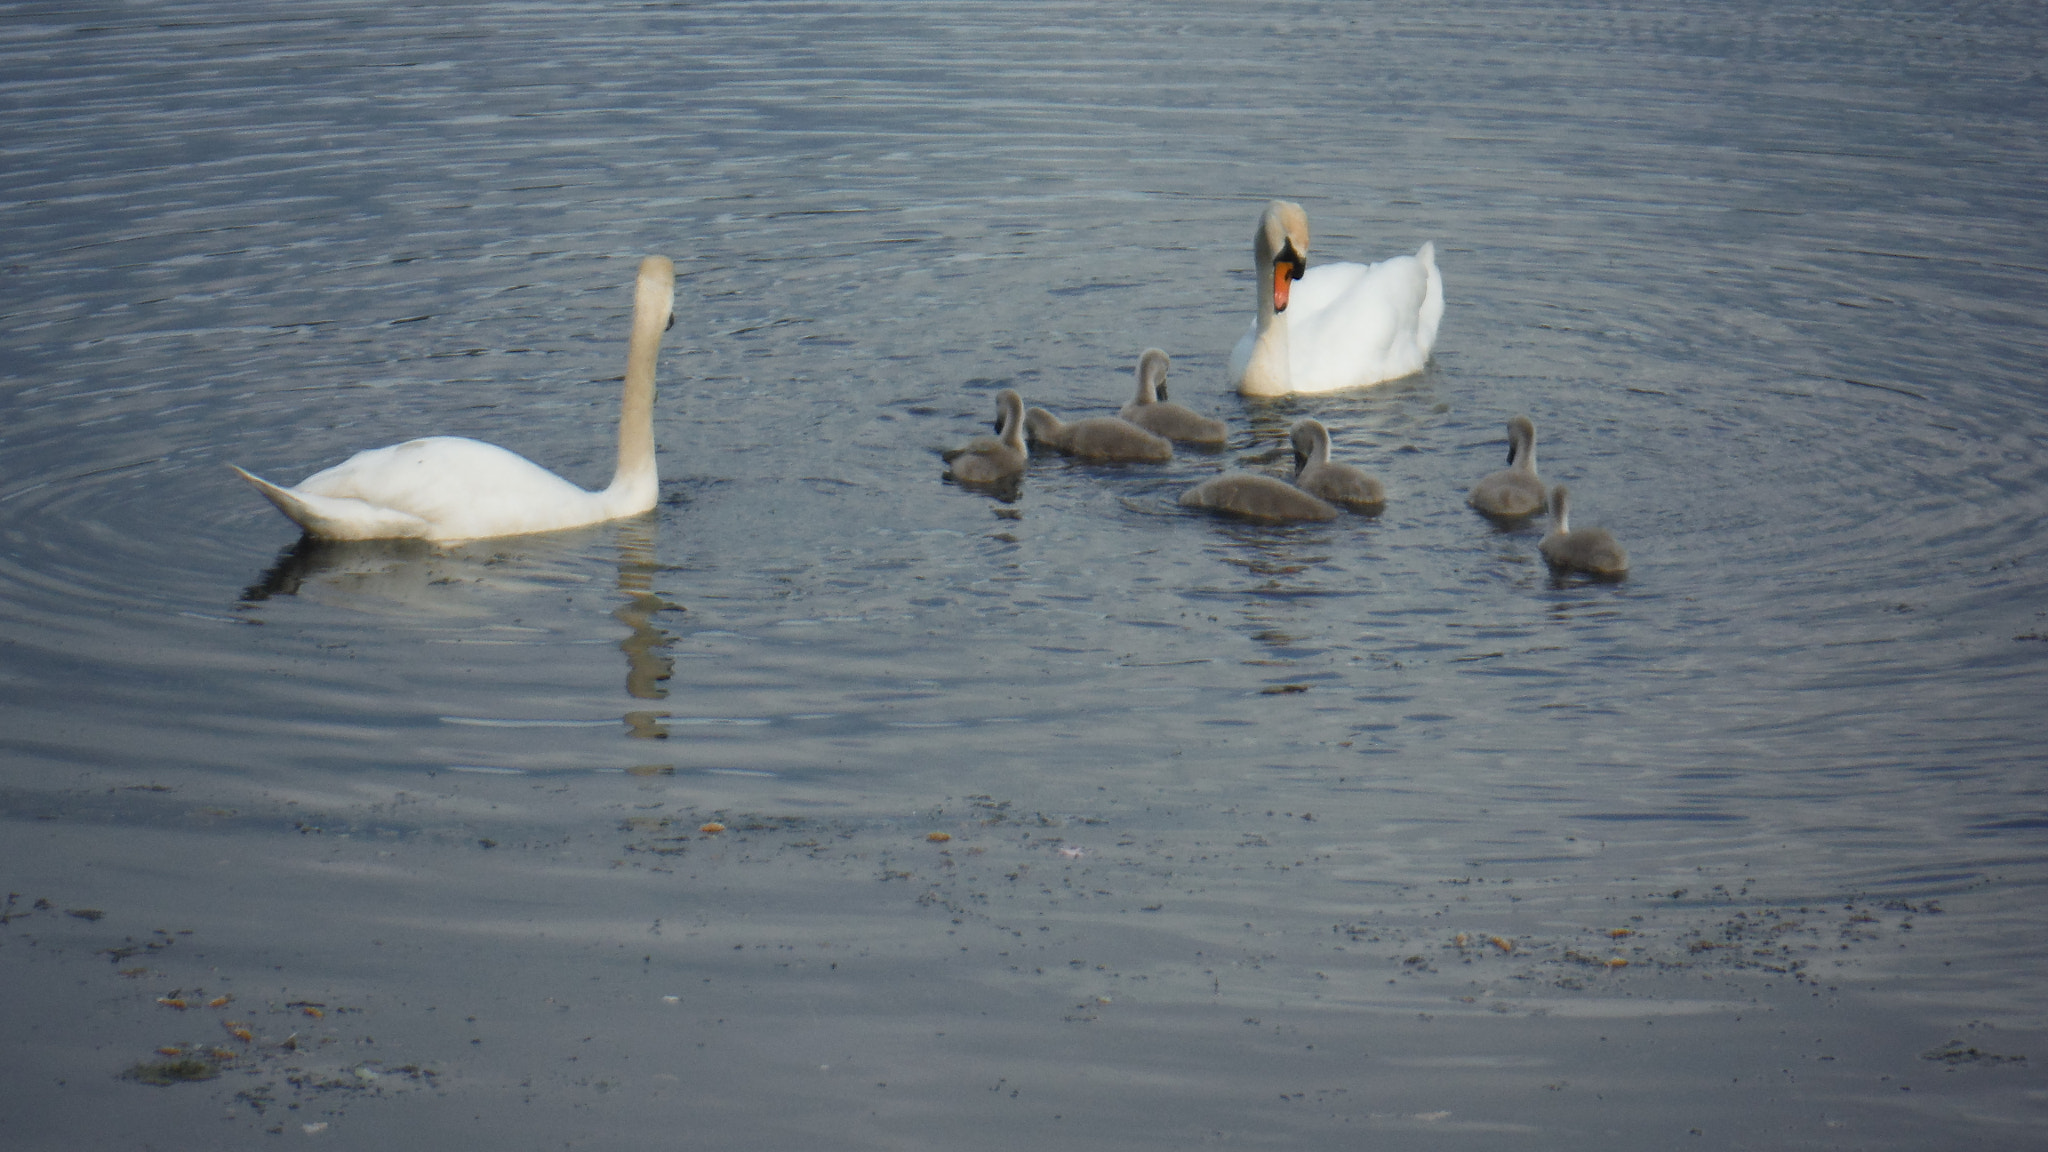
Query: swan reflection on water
point(648, 664)
point(419, 576)
point(309, 557)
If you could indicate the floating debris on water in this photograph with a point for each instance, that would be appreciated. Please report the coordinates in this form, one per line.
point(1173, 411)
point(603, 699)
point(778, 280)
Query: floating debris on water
point(1956, 1052)
point(177, 1070)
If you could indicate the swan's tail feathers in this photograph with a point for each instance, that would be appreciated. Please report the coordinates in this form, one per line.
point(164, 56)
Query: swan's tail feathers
point(335, 517)
point(1432, 298)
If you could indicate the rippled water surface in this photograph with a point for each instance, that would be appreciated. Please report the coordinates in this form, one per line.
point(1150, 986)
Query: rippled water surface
point(1075, 821)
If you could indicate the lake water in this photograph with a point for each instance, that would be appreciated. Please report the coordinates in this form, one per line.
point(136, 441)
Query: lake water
point(1326, 836)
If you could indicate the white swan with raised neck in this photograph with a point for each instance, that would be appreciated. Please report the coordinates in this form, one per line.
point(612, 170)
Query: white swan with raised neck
point(448, 488)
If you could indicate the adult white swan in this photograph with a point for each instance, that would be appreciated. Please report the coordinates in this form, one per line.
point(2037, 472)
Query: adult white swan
point(453, 488)
point(1336, 325)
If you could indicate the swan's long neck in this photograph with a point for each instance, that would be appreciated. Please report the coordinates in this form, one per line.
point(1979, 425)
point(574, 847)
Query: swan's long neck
point(1152, 376)
point(1560, 521)
point(1525, 455)
point(1311, 448)
point(1267, 372)
point(1012, 433)
point(636, 483)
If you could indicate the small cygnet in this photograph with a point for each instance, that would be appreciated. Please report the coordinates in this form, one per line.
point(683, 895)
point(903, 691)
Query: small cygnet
point(1316, 474)
point(1256, 497)
point(1587, 550)
point(1103, 438)
point(993, 459)
point(1151, 411)
point(1515, 489)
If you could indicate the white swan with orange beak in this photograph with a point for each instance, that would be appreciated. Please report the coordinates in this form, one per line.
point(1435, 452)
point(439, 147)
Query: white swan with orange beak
point(1335, 325)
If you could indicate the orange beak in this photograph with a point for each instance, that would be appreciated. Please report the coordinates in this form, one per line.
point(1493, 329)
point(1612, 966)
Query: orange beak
point(1283, 280)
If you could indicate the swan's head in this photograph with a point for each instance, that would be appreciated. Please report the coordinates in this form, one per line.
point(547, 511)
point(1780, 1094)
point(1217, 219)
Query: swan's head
point(1521, 439)
point(1009, 413)
point(1311, 443)
point(655, 292)
point(1152, 375)
point(1281, 244)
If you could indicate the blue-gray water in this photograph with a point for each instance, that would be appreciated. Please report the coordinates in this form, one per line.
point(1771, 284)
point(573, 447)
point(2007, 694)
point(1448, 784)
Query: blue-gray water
point(1306, 837)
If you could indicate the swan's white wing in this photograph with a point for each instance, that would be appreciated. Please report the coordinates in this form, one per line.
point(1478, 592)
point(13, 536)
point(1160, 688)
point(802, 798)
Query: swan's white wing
point(1323, 285)
point(336, 517)
point(1352, 324)
point(462, 488)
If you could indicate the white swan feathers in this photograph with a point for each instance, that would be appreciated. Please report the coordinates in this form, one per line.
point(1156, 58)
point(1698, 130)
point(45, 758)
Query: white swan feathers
point(1335, 325)
point(448, 488)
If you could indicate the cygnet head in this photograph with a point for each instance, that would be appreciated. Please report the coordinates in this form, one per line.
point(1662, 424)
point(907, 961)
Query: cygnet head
point(1281, 244)
point(1522, 442)
point(1311, 443)
point(1010, 416)
point(1152, 376)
